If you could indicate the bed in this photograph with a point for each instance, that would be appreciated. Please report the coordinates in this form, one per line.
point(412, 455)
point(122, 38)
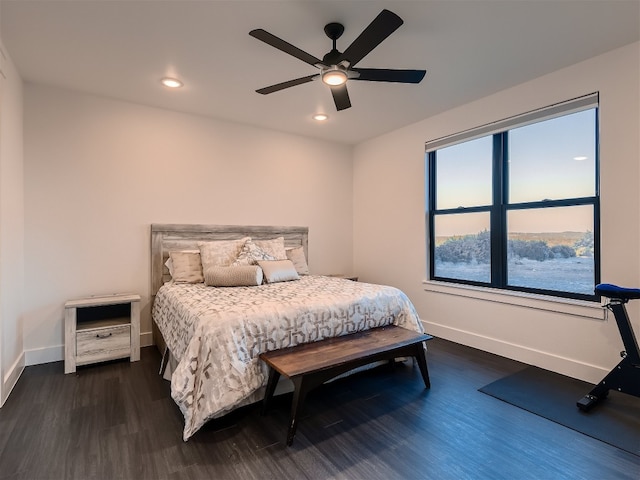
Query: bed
point(216, 333)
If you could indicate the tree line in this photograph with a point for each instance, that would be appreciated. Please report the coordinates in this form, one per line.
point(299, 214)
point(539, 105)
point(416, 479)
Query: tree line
point(477, 248)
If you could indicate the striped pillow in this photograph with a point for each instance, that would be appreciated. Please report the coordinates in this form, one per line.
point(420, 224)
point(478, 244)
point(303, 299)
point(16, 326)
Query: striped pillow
point(233, 276)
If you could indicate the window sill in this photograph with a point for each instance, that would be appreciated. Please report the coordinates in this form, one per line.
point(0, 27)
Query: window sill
point(565, 306)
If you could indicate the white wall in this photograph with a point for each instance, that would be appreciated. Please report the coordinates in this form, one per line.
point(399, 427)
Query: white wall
point(390, 232)
point(99, 172)
point(11, 226)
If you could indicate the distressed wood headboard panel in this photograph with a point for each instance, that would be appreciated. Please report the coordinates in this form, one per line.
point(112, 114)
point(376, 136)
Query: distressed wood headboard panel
point(168, 237)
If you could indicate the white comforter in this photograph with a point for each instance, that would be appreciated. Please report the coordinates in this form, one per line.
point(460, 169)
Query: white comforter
point(216, 334)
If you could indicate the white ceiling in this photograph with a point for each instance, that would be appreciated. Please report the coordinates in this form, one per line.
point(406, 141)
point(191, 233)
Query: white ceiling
point(470, 49)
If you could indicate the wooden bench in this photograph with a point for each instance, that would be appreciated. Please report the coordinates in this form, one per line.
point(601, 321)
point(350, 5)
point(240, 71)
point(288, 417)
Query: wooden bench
point(311, 364)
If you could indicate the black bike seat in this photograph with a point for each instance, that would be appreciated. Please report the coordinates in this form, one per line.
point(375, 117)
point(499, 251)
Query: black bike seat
point(614, 291)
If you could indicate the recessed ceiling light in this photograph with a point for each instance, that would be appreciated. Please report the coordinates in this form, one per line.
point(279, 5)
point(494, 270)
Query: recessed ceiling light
point(321, 117)
point(171, 82)
point(580, 158)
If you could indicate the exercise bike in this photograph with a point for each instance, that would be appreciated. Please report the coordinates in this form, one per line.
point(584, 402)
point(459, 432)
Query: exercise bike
point(625, 377)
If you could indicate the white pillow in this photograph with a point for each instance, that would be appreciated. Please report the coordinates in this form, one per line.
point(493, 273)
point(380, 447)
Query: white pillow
point(169, 262)
point(274, 247)
point(250, 253)
point(185, 267)
point(297, 256)
point(234, 276)
point(278, 271)
point(220, 253)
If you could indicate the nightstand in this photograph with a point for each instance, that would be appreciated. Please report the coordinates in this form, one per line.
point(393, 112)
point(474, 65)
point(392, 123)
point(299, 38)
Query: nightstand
point(101, 328)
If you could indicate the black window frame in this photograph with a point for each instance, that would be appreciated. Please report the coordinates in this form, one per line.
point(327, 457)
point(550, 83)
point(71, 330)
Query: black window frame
point(500, 206)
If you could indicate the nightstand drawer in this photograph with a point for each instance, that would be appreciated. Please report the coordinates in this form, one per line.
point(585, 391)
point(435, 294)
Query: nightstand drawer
point(97, 345)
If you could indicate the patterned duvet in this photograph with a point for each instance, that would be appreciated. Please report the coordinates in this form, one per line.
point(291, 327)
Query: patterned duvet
point(216, 334)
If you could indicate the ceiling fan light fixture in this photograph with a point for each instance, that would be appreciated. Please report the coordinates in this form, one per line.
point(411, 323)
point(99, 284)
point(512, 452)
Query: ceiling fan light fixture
point(334, 76)
point(171, 82)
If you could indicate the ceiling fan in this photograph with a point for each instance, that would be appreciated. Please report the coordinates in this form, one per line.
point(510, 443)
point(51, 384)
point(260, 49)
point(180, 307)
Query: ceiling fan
point(338, 67)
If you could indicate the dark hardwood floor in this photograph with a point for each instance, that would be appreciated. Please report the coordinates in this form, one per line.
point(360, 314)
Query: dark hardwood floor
point(117, 420)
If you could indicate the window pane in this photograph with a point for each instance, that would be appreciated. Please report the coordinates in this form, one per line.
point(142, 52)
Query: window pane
point(551, 249)
point(463, 246)
point(463, 174)
point(553, 159)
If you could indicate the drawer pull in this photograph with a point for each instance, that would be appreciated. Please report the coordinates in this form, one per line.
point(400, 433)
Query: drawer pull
point(103, 335)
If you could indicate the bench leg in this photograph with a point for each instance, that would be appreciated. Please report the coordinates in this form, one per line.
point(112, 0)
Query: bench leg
point(165, 361)
point(274, 376)
point(421, 358)
point(299, 393)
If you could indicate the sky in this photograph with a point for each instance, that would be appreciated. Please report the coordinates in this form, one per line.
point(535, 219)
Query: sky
point(553, 159)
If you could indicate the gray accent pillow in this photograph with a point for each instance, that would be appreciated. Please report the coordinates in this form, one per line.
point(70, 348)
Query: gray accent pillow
point(278, 271)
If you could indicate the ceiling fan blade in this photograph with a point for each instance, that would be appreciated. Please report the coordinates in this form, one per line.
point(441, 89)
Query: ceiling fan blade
point(380, 28)
point(291, 83)
point(286, 47)
point(386, 75)
point(341, 97)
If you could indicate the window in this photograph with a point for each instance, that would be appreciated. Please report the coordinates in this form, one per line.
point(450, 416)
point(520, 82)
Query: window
point(515, 205)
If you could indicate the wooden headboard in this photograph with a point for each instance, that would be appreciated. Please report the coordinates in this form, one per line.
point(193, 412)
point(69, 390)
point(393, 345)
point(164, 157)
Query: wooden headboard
point(168, 237)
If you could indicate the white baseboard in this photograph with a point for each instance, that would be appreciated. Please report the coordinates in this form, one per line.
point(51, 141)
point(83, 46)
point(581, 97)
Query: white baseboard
point(531, 356)
point(146, 339)
point(11, 378)
point(37, 356)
